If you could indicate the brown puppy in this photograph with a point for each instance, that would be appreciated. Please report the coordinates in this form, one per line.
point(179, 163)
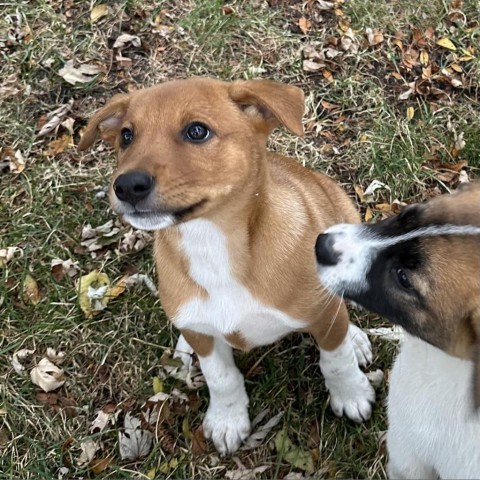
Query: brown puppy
point(235, 230)
point(421, 270)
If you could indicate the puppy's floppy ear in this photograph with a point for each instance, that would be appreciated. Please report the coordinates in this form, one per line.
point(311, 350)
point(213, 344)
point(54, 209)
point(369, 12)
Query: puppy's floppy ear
point(272, 102)
point(105, 122)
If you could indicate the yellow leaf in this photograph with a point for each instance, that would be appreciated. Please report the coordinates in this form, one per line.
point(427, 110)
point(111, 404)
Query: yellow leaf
point(118, 288)
point(186, 429)
point(410, 113)
point(152, 472)
point(30, 289)
point(368, 214)
point(97, 12)
point(157, 385)
point(456, 67)
point(359, 192)
point(92, 293)
point(446, 43)
point(424, 57)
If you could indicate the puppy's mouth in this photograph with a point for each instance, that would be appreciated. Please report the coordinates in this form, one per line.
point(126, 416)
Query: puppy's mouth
point(156, 219)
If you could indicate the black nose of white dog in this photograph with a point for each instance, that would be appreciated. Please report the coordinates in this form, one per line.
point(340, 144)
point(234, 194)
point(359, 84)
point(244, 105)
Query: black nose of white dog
point(324, 251)
point(133, 186)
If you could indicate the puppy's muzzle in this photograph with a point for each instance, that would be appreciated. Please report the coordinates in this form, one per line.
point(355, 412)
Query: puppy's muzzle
point(324, 251)
point(134, 186)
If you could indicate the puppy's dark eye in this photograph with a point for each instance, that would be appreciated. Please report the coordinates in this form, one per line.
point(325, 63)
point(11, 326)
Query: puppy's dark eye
point(197, 133)
point(403, 279)
point(126, 137)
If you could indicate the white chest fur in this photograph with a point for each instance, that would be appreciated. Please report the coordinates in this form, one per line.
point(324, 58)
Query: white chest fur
point(230, 306)
point(431, 413)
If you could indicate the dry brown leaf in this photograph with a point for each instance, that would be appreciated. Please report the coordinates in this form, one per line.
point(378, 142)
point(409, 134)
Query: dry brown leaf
point(98, 12)
point(374, 37)
point(99, 465)
point(311, 66)
point(368, 214)
point(327, 75)
point(304, 24)
point(82, 74)
point(59, 145)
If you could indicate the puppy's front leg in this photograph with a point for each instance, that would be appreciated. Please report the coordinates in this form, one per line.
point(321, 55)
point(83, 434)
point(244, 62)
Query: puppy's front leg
point(342, 347)
point(226, 422)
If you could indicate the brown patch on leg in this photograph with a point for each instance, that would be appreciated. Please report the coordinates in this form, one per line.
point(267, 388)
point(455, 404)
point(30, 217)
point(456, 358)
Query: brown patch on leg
point(236, 340)
point(331, 327)
point(201, 344)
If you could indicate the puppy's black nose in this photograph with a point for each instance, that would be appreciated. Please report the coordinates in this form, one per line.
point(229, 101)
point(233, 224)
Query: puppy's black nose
point(324, 251)
point(133, 186)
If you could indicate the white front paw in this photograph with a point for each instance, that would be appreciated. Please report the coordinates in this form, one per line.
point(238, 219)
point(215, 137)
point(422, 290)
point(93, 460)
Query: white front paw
point(361, 345)
point(353, 399)
point(227, 427)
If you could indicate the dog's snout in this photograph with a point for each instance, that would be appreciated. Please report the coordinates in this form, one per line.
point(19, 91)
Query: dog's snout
point(133, 186)
point(324, 251)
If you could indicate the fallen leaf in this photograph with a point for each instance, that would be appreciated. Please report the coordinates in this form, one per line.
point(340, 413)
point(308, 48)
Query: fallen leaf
point(30, 289)
point(368, 214)
point(359, 192)
point(55, 118)
point(47, 375)
point(292, 454)
point(446, 43)
point(387, 333)
point(98, 12)
point(54, 356)
point(410, 113)
point(100, 422)
point(375, 377)
point(88, 450)
point(327, 75)
point(258, 437)
point(60, 268)
point(125, 40)
point(135, 443)
point(157, 385)
point(99, 465)
point(324, 5)
point(424, 58)
point(246, 473)
point(311, 66)
point(7, 254)
point(20, 355)
point(82, 74)
point(92, 289)
point(59, 145)
point(373, 187)
point(374, 37)
point(304, 24)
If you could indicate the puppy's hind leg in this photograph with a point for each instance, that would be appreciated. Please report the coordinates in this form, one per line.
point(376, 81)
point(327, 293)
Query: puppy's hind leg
point(226, 422)
point(350, 391)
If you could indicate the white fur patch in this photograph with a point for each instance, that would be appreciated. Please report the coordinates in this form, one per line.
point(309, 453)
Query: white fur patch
point(230, 306)
point(350, 391)
point(151, 221)
point(226, 422)
point(434, 430)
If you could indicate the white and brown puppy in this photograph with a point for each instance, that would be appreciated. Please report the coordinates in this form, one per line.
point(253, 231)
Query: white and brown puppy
point(235, 229)
point(421, 270)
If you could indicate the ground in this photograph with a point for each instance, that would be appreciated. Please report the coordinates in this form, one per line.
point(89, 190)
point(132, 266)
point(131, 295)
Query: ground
point(392, 96)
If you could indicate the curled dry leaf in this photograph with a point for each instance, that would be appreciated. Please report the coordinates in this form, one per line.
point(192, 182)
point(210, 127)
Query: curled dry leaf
point(126, 40)
point(20, 355)
point(11, 161)
point(134, 241)
point(100, 421)
point(258, 437)
point(324, 5)
point(55, 118)
point(92, 289)
point(82, 74)
point(387, 333)
point(374, 37)
point(60, 268)
point(47, 375)
point(54, 356)
point(375, 377)
point(6, 254)
point(30, 289)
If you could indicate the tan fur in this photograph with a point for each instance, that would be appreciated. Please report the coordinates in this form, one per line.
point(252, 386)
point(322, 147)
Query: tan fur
point(269, 207)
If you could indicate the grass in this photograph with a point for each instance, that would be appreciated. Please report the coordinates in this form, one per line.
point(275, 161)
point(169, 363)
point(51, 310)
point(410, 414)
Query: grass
point(112, 359)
